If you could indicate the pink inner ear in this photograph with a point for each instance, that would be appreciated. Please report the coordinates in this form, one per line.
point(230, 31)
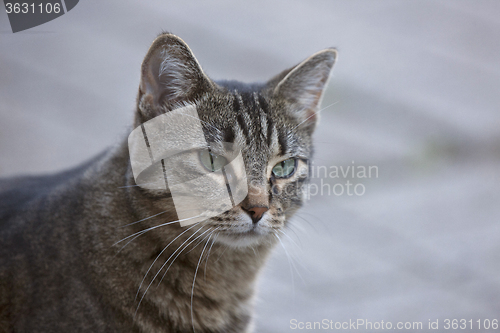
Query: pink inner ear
point(303, 86)
point(308, 114)
point(170, 74)
point(149, 88)
point(312, 111)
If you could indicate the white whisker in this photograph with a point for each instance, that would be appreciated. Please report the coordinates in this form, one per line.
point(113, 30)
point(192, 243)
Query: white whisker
point(147, 218)
point(315, 113)
point(289, 264)
point(139, 233)
point(149, 285)
point(194, 279)
point(178, 254)
point(308, 222)
point(298, 261)
point(291, 228)
point(199, 242)
point(291, 260)
point(151, 266)
point(208, 256)
point(220, 256)
point(291, 239)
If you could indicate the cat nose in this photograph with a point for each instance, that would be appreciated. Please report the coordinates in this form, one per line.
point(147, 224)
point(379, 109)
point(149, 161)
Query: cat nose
point(256, 212)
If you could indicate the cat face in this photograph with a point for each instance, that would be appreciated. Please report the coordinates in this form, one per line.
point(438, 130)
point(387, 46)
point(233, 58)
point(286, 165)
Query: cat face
point(262, 131)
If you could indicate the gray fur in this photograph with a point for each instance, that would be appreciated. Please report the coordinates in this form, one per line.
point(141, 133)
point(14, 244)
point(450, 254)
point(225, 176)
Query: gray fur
point(68, 262)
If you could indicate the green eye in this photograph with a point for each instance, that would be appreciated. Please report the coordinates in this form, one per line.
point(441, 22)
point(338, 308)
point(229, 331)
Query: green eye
point(284, 169)
point(212, 162)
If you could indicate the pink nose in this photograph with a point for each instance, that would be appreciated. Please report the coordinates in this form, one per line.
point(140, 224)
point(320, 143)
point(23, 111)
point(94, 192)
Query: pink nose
point(256, 213)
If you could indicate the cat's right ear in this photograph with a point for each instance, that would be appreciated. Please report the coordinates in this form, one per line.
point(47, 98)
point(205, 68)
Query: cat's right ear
point(170, 77)
point(303, 86)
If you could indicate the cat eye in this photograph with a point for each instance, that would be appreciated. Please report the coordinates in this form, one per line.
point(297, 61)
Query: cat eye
point(212, 162)
point(285, 168)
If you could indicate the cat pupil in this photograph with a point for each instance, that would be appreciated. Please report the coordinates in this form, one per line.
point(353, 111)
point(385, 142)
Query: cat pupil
point(212, 162)
point(284, 169)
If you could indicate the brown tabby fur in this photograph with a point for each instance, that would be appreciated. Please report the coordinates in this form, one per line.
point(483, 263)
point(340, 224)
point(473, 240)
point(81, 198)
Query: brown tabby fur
point(61, 269)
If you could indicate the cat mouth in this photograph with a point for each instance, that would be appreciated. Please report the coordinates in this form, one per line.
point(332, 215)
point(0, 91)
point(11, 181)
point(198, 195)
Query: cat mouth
point(250, 232)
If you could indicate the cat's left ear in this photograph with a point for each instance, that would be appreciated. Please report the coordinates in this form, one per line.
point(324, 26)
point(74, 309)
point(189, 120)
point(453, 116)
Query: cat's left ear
point(302, 86)
point(170, 77)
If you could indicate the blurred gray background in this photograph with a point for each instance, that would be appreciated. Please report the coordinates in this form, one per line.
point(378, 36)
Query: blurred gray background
point(416, 93)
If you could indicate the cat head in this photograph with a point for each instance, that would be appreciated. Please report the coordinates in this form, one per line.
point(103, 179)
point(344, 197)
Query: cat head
point(266, 128)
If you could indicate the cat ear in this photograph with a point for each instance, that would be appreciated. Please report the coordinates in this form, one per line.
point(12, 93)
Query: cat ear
point(170, 76)
point(303, 85)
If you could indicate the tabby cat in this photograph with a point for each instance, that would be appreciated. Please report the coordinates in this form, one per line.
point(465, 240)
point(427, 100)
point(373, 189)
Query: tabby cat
point(87, 250)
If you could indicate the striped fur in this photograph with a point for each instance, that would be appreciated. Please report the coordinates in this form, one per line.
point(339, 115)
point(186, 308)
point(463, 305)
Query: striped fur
point(89, 251)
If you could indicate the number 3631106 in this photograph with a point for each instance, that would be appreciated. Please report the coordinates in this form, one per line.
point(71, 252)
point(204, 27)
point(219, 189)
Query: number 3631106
point(25, 8)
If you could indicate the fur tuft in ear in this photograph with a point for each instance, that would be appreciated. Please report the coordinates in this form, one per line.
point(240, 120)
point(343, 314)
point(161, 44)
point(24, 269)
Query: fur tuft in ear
point(303, 85)
point(170, 76)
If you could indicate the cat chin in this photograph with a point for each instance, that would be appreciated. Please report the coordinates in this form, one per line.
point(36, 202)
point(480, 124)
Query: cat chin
point(242, 240)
